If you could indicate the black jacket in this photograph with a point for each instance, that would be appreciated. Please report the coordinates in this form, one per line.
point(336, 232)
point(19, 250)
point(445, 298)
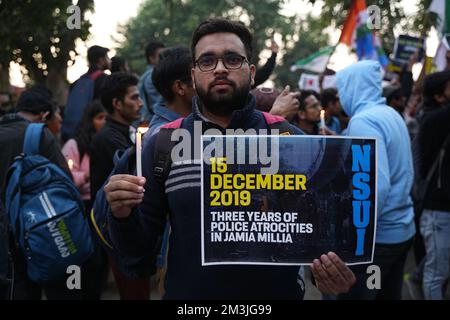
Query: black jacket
point(113, 136)
point(434, 129)
point(12, 134)
point(137, 237)
point(265, 71)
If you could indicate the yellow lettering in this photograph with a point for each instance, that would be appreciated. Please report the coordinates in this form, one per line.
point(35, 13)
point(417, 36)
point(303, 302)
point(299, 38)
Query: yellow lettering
point(300, 182)
point(216, 181)
point(277, 182)
point(239, 185)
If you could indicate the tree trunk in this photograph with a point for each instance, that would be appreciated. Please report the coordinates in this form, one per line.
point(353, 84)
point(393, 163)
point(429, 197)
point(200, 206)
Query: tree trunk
point(5, 86)
point(56, 81)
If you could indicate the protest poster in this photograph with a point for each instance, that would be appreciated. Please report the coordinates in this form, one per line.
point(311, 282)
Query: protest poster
point(405, 46)
point(393, 70)
point(285, 200)
point(309, 82)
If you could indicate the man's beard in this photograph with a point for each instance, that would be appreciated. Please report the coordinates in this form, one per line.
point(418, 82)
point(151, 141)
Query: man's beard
point(224, 105)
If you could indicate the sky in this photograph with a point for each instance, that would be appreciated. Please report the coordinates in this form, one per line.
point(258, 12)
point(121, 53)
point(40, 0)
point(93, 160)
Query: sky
point(109, 14)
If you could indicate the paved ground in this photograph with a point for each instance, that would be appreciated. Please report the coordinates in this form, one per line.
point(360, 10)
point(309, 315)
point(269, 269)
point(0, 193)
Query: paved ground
point(311, 292)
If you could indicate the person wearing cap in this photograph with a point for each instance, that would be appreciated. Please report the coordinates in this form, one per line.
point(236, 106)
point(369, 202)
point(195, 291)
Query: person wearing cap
point(34, 106)
point(434, 129)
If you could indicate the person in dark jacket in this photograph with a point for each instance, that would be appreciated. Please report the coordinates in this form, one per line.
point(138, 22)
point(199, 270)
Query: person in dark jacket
point(223, 76)
point(121, 100)
point(120, 97)
point(98, 61)
point(34, 106)
point(435, 219)
point(263, 73)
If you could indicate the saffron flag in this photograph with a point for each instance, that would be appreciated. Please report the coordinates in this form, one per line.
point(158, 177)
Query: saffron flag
point(357, 34)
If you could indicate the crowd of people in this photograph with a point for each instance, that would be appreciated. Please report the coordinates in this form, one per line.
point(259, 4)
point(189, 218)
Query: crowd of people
point(152, 222)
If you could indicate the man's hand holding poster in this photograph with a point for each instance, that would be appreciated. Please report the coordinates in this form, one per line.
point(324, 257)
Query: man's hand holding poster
point(287, 199)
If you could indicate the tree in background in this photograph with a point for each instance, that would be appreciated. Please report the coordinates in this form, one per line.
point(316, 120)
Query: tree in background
point(34, 34)
point(308, 38)
point(172, 22)
point(393, 16)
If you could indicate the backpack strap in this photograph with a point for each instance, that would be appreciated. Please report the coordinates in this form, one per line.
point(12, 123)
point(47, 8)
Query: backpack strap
point(278, 123)
point(32, 138)
point(163, 149)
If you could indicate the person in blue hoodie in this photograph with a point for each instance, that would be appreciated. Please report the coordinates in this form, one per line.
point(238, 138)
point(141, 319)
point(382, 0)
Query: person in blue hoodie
point(360, 93)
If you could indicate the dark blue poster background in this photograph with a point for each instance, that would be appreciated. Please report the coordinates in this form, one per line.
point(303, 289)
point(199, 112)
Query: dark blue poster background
point(320, 196)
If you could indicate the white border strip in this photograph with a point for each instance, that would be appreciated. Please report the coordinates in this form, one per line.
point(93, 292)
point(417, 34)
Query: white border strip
point(203, 137)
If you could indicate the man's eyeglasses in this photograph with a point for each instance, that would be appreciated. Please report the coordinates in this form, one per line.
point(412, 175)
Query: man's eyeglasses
point(231, 61)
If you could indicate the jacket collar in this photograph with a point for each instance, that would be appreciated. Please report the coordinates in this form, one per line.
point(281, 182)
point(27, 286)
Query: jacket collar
point(238, 119)
point(125, 129)
point(12, 117)
point(160, 109)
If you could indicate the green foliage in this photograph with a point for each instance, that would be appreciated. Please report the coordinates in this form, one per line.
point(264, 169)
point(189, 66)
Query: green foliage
point(34, 34)
point(311, 38)
point(392, 16)
point(172, 22)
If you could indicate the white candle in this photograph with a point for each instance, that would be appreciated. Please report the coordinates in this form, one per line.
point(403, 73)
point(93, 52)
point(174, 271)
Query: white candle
point(322, 118)
point(70, 163)
point(139, 132)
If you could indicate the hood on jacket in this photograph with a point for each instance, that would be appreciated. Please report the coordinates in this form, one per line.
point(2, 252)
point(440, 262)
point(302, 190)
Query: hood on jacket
point(359, 85)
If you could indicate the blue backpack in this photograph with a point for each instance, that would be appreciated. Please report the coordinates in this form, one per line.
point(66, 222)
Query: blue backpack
point(46, 213)
point(80, 96)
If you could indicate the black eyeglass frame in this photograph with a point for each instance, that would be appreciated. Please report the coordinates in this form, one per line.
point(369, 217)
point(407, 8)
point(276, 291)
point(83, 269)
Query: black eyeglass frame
point(244, 59)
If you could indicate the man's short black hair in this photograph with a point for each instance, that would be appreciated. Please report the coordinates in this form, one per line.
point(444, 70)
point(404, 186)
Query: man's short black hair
point(151, 49)
point(217, 25)
point(174, 64)
point(305, 94)
point(116, 86)
point(392, 92)
point(328, 96)
point(117, 63)
point(435, 84)
point(95, 53)
point(36, 100)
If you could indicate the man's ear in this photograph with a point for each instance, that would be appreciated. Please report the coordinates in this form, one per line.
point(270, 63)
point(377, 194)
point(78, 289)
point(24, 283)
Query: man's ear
point(44, 116)
point(177, 88)
point(252, 74)
point(117, 104)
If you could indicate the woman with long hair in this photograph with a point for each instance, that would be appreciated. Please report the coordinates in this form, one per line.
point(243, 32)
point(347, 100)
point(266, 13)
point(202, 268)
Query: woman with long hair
point(77, 150)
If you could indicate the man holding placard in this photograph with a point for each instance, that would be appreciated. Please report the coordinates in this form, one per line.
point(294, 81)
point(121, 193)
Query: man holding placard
point(222, 77)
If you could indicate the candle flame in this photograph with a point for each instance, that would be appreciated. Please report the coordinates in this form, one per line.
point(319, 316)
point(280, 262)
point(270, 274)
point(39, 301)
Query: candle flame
point(70, 163)
point(322, 114)
point(142, 130)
